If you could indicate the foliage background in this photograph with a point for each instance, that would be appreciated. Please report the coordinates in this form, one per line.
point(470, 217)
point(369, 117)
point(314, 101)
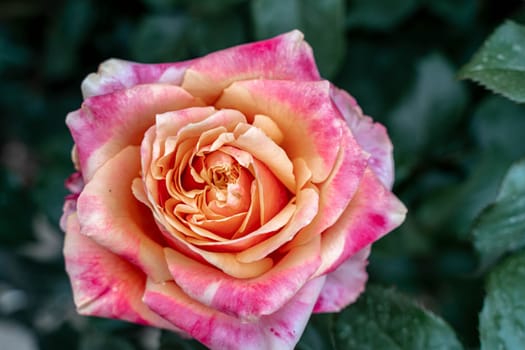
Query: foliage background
point(453, 140)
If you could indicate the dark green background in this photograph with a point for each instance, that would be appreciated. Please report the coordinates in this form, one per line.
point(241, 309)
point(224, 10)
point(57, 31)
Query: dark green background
point(453, 140)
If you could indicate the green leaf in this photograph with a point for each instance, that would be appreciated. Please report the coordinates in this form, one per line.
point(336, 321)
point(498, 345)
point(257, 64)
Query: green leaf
point(384, 319)
point(502, 319)
point(500, 228)
point(428, 114)
point(322, 23)
point(500, 63)
point(379, 14)
point(514, 181)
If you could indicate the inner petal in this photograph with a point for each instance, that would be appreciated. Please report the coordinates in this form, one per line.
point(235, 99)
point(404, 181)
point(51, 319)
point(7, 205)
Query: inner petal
point(219, 186)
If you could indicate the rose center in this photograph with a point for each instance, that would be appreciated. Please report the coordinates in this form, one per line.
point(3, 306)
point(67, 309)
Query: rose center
point(220, 170)
point(221, 175)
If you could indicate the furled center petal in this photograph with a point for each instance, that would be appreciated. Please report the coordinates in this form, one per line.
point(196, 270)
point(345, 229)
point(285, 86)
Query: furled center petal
point(203, 181)
point(229, 184)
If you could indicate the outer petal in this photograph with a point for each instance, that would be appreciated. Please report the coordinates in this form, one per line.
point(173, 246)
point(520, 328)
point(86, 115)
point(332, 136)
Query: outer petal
point(103, 284)
point(106, 124)
point(285, 57)
point(109, 214)
point(69, 207)
point(219, 331)
point(305, 113)
point(74, 183)
point(373, 212)
point(345, 284)
point(115, 74)
point(371, 136)
point(247, 299)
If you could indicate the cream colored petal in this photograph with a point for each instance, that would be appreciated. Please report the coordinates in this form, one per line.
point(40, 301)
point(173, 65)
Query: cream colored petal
point(270, 128)
point(307, 205)
point(111, 216)
point(302, 173)
point(106, 124)
point(271, 227)
point(255, 142)
point(231, 266)
point(273, 195)
point(303, 111)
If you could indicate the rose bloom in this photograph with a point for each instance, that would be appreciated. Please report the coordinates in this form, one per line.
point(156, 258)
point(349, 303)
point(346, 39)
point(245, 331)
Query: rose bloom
point(225, 198)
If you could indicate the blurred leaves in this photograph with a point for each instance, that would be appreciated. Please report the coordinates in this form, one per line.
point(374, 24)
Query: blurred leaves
point(502, 320)
point(367, 64)
point(498, 125)
point(384, 319)
point(496, 131)
point(453, 11)
point(322, 23)
point(428, 113)
point(160, 38)
point(103, 341)
point(14, 199)
point(379, 14)
point(500, 64)
point(319, 333)
point(501, 227)
point(12, 54)
point(16, 336)
point(449, 210)
point(213, 33)
point(67, 32)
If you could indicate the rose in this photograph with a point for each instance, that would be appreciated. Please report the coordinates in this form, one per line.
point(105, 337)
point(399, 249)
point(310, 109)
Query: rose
point(225, 198)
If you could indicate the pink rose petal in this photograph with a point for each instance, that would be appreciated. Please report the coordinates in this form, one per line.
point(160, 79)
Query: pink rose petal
point(108, 123)
point(111, 216)
point(373, 212)
point(245, 298)
point(338, 189)
point(115, 74)
point(304, 111)
point(285, 57)
point(218, 331)
point(371, 136)
point(344, 285)
point(103, 284)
